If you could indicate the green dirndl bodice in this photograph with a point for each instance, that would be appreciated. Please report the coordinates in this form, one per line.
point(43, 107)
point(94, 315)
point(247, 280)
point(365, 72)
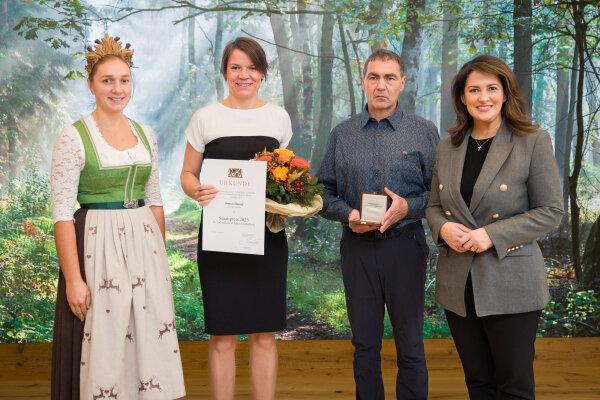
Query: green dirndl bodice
point(114, 187)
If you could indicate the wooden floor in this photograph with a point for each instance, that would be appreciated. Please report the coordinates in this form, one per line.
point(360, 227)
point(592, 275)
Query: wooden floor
point(565, 368)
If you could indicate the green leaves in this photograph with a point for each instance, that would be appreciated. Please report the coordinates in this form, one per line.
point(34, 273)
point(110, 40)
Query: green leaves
point(66, 25)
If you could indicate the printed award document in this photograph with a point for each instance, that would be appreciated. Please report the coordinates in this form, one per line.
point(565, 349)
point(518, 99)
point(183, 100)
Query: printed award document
point(234, 221)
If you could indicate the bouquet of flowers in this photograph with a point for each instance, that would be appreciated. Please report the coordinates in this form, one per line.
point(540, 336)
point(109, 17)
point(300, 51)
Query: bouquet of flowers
point(291, 190)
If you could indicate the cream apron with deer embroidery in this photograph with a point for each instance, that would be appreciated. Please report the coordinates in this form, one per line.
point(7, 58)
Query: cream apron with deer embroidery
point(130, 348)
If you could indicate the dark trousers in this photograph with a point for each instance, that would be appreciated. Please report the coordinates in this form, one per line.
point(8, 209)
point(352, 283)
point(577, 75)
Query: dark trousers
point(386, 272)
point(496, 351)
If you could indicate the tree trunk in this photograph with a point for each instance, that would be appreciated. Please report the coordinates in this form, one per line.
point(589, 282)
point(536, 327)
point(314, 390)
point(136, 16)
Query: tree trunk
point(411, 49)
point(182, 64)
point(359, 69)
point(192, 58)
point(432, 109)
point(12, 154)
point(594, 112)
point(285, 61)
point(348, 67)
point(591, 259)
point(218, 46)
point(326, 89)
point(449, 69)
point(569, 135)
point(301, 41)
point(562, 109)
point(580, 37)
point(522, 19)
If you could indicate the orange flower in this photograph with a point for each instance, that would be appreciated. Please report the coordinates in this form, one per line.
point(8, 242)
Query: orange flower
point(299, 162)
point(280, 173)
point(284, 155)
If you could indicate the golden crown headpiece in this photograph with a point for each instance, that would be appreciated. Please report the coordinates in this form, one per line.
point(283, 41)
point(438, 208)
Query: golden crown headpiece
point(105, 47)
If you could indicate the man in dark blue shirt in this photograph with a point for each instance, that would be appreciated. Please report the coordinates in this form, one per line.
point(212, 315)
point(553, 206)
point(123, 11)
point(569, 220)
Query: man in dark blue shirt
point(383, 150)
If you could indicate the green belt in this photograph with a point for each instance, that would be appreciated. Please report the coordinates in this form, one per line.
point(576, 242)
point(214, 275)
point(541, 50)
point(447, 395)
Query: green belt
point(111, 205)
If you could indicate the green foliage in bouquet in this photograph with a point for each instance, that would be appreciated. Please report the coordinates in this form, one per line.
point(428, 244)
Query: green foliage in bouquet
point(288, 178)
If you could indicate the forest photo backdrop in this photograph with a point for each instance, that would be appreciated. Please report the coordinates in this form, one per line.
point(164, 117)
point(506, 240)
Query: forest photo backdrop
point(316, 51)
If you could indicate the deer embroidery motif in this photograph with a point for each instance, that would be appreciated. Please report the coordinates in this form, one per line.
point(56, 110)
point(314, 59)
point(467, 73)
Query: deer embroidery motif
point(139, 283)
point(148, 228)
point(149, 385)
point(108, 284)
point(167, 327)
point(106, 394)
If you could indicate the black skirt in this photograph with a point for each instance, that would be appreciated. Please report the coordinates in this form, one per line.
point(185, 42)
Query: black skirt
point(68, 331)
point(244, 293)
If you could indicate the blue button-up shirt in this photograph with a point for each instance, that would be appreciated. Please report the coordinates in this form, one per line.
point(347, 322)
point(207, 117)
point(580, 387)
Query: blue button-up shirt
point(364, 155)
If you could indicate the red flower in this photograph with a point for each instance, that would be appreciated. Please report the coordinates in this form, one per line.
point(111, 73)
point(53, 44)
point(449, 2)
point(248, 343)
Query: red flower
point(266, 157)
point(299, 162)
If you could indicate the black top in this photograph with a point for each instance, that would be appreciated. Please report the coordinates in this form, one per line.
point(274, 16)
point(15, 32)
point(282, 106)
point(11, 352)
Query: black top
point(239, 147)
point(476, 152)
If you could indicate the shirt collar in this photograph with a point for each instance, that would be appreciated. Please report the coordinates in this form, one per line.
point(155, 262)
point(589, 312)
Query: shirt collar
point(394, 119)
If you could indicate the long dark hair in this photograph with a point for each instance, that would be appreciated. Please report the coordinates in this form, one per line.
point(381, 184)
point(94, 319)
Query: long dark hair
point(514, 110)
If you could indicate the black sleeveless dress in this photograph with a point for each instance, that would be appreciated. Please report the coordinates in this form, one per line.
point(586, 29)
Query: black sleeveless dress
point(243, 293)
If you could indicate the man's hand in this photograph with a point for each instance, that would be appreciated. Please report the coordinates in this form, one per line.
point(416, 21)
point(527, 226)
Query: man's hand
point(477, 241)
point(395, 213)
point(455, 235)
point(356, 226)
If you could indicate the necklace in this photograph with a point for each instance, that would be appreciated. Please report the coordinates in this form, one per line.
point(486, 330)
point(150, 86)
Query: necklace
point(480, 145)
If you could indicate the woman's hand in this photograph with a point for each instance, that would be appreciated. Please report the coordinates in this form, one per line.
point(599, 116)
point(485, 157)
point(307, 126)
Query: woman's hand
point(203, 194)
point(79, 298)
point(455, 234)
point(477, 241)
point(78, 293)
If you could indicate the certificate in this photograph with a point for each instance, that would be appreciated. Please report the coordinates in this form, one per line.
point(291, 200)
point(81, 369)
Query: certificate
point(234, 221)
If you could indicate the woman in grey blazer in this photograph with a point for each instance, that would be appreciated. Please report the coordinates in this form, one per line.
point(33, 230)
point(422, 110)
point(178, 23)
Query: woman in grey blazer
point(495, 189)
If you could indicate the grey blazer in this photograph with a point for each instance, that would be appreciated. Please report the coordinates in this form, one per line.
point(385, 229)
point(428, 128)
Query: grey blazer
point(517, 198)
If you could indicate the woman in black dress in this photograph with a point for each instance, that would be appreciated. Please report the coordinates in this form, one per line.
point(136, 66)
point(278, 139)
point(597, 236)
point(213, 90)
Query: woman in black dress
point(242, 294)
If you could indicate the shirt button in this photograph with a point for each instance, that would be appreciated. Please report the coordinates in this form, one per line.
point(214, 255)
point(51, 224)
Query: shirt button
point(448, 213)
point(503, 188)
point(495, 216)
point(441, 187)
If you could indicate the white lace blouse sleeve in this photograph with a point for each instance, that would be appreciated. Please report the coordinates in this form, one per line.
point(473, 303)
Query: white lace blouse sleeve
point(68, 159)
point(152, 196)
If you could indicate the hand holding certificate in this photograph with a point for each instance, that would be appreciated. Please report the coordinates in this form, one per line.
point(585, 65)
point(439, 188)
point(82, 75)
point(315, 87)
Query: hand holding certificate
point(234, 220)
point(372, 208)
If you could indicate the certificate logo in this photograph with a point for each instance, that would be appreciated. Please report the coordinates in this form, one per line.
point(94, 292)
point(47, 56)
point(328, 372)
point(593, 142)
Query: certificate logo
point(235, 173)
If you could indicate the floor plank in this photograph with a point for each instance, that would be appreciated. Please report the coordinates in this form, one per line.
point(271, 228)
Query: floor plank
point(565, 368)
